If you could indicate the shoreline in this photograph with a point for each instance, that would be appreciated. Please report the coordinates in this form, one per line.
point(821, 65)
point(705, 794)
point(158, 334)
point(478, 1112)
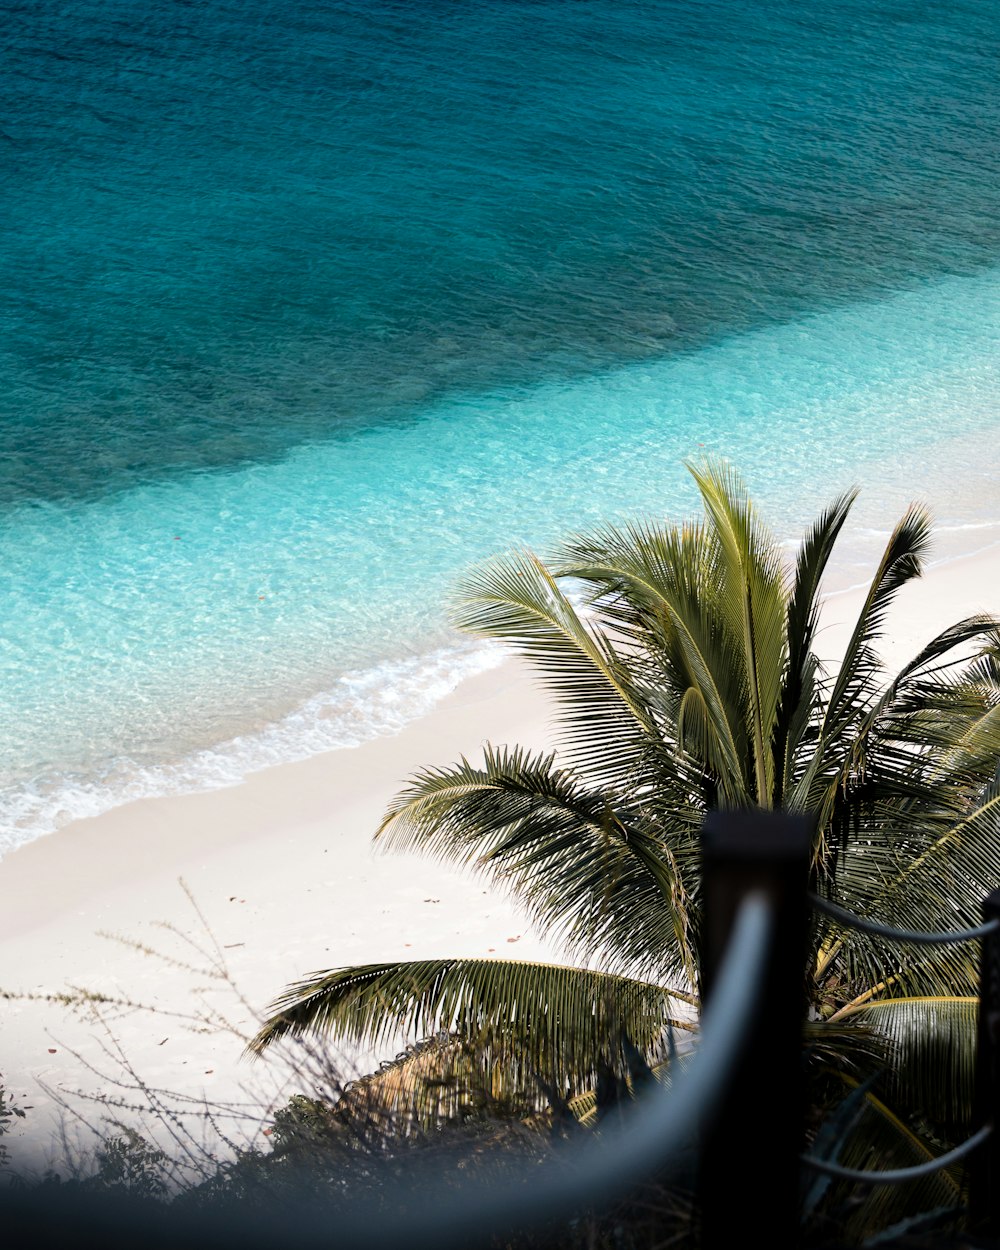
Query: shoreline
point(268, 864)
point(284, 876)
point(956, 483)
point(237, 636)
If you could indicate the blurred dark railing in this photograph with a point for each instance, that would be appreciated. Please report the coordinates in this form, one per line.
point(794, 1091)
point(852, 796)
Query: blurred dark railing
point(741, 1094)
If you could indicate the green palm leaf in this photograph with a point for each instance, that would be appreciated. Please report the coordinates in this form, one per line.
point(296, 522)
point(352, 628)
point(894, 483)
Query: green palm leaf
point(517, 599)
point(798, 699)
point(588, 865)
point(841, 752)
point(754, 605)
point(930, 876)
point(928, 1037)
point(658, 589)
point(524, 1018)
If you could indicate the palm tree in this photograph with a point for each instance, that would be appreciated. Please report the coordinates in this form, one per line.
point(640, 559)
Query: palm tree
point(683, 663)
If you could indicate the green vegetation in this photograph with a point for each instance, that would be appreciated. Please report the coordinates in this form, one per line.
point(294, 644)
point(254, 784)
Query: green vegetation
point(683, 663)
point(690, 680)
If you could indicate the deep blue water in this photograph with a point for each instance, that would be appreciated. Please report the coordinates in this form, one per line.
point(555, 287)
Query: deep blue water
point(306, 306)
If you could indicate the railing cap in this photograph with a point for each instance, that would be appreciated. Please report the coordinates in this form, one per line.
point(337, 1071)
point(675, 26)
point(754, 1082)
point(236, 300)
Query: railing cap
point(754, 835)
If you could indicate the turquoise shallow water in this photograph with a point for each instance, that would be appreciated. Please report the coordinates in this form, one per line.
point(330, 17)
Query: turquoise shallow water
point(302, 316)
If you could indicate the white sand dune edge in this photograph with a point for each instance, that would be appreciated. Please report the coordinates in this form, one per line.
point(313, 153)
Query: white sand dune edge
point(284, 874)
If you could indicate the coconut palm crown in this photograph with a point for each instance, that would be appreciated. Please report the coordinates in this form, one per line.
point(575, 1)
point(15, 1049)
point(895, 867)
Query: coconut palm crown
point(685, 674)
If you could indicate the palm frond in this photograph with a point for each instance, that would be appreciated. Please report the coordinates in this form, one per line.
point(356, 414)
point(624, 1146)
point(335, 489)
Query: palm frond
point(659, 588)
point(517, 600)
point(931, 1048)
point(931, 876)
point(523, 1018)
point(798, 698)
point(590, 867)
point(900, 563)
point(753, 603)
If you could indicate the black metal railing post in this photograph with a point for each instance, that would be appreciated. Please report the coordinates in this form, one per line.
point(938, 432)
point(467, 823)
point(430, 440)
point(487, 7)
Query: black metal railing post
point(984, 1178)
point(748, 1178)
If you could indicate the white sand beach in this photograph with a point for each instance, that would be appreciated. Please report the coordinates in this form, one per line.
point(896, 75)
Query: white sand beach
point(284, 874)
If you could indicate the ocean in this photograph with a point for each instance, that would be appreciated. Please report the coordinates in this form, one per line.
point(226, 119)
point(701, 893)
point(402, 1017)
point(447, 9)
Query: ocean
point(307, 307)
